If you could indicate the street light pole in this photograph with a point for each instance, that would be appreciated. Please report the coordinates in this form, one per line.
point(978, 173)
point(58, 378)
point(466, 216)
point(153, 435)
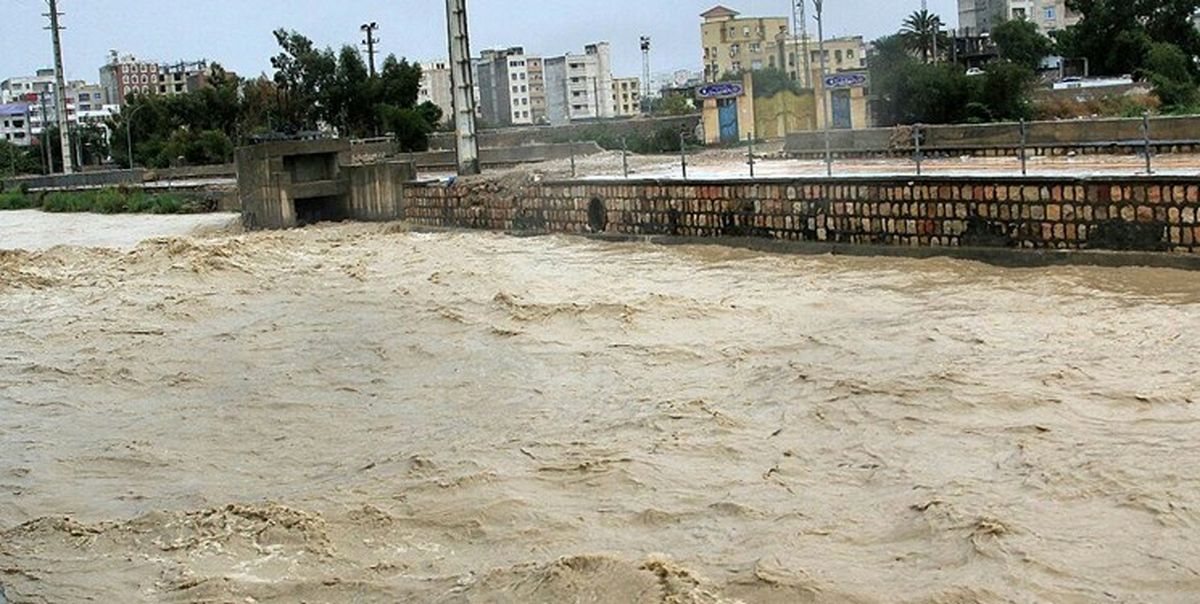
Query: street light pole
point(129, 133)
point(825, 97)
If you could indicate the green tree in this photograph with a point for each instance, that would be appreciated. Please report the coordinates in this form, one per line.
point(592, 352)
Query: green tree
point(304, 75)
point(923, 35)
point(16, 160)
point(1020, 42)
point(1169, 69)
point(772, 81)
point(671, 105)
point(1116, 35)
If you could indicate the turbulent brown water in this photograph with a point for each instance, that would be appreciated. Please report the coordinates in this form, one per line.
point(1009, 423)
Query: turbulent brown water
point(360, 413)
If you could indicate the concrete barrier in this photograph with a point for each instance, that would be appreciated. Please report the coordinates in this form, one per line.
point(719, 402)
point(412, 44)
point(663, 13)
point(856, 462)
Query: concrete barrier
point(615, 129)
point(1123, 135)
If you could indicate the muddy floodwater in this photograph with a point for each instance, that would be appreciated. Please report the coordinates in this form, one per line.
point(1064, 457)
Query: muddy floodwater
point(366, 414)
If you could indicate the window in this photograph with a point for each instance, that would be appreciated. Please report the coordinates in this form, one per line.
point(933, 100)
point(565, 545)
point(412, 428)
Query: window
point(735, 50)
point(746, 31)
point(838, 56)
point(124, 69)
point(124, 79)
point(756, 65)
point(513, 76)
point(1051, 13)
point(756, 48)
point(514, 89)
point(850, 53)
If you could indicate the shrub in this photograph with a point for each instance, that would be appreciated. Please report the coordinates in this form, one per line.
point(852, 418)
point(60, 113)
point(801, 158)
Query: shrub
point(16, 200)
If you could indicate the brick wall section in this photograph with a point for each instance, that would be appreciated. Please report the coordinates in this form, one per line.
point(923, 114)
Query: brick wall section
point(1144, 214)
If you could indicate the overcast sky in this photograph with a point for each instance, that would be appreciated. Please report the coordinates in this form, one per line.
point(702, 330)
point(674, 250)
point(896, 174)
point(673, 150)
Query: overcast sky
point(237, 33)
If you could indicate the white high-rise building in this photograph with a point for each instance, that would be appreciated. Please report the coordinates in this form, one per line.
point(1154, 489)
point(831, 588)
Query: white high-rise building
point(580, 86)
point(978, 17)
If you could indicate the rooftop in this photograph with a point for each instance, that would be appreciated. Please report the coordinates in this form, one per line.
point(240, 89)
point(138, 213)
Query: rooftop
point(719, 12)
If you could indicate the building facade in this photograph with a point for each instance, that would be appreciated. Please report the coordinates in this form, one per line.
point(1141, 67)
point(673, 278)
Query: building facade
point(15, 127)
point(503, 78)
point(537, 89)
point(734, 44)
point(436, 87)
point(85, 103)
point(978, 17)
point(627, 96)
point(126, 75)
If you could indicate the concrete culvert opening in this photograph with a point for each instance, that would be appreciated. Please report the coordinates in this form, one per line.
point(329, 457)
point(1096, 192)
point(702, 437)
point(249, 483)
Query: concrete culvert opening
point(319, 209)
point(597, 215)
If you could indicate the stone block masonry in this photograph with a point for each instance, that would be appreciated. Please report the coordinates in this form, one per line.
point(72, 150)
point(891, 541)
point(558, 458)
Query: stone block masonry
point(1148, 214)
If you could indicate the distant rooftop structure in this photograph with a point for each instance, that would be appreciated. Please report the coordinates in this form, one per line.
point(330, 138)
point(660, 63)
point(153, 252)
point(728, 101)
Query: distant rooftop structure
point(719, 12)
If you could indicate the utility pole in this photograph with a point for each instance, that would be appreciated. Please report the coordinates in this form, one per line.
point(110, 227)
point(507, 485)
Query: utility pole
point(645, 42)
point(60, 89)
point(369, 29)
point(462, 79)
point(825, 96)
point(800, 17)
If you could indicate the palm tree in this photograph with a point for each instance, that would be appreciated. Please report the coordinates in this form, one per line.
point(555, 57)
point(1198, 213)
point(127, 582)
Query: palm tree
point(922, 34)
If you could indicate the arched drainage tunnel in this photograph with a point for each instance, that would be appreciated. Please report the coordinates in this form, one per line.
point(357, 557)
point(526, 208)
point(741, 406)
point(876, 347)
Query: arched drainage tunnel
point(597, 215)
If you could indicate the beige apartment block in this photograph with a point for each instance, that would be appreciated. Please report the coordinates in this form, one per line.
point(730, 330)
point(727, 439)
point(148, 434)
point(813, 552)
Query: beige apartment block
point(734, 44)
point(627, 96)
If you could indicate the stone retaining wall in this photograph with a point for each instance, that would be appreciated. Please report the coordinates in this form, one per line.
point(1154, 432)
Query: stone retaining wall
point(1132, 213)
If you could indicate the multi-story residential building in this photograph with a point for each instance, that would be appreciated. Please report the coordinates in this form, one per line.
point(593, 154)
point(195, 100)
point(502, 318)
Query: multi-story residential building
point(20, 88)
point(126, 75)
point(733, 44)
point(843, 54)
point(436, 87)
point(85, 102)
point(978, 17)
point(14, 124)
point(580, 86)
point(537, 89)
point(627, 96)
point(503, 79)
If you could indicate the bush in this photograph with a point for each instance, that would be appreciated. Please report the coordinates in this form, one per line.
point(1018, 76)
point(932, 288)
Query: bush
point(16, 200)
point(119, 201)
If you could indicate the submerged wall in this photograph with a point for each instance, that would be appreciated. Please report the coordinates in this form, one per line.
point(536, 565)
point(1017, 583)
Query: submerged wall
point(1131, 213)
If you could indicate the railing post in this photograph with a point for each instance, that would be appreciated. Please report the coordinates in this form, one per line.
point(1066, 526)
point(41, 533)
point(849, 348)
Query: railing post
point(683, 153)
point(751, 154)
point(1146, 135)
point(624, 157)
point(573, 175)
point(917, 146)
point(1024, 143)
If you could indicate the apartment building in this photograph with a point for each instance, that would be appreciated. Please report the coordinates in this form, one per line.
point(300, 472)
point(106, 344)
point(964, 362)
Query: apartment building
point(848, 53)
point(627, 96)
point(14, 124)
point(125, 75)
point(537, 89)
point(978, 17)
point(436, 87)
point(86, 103)
point(583, 85)
point(503, 78)
point(733, 44)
